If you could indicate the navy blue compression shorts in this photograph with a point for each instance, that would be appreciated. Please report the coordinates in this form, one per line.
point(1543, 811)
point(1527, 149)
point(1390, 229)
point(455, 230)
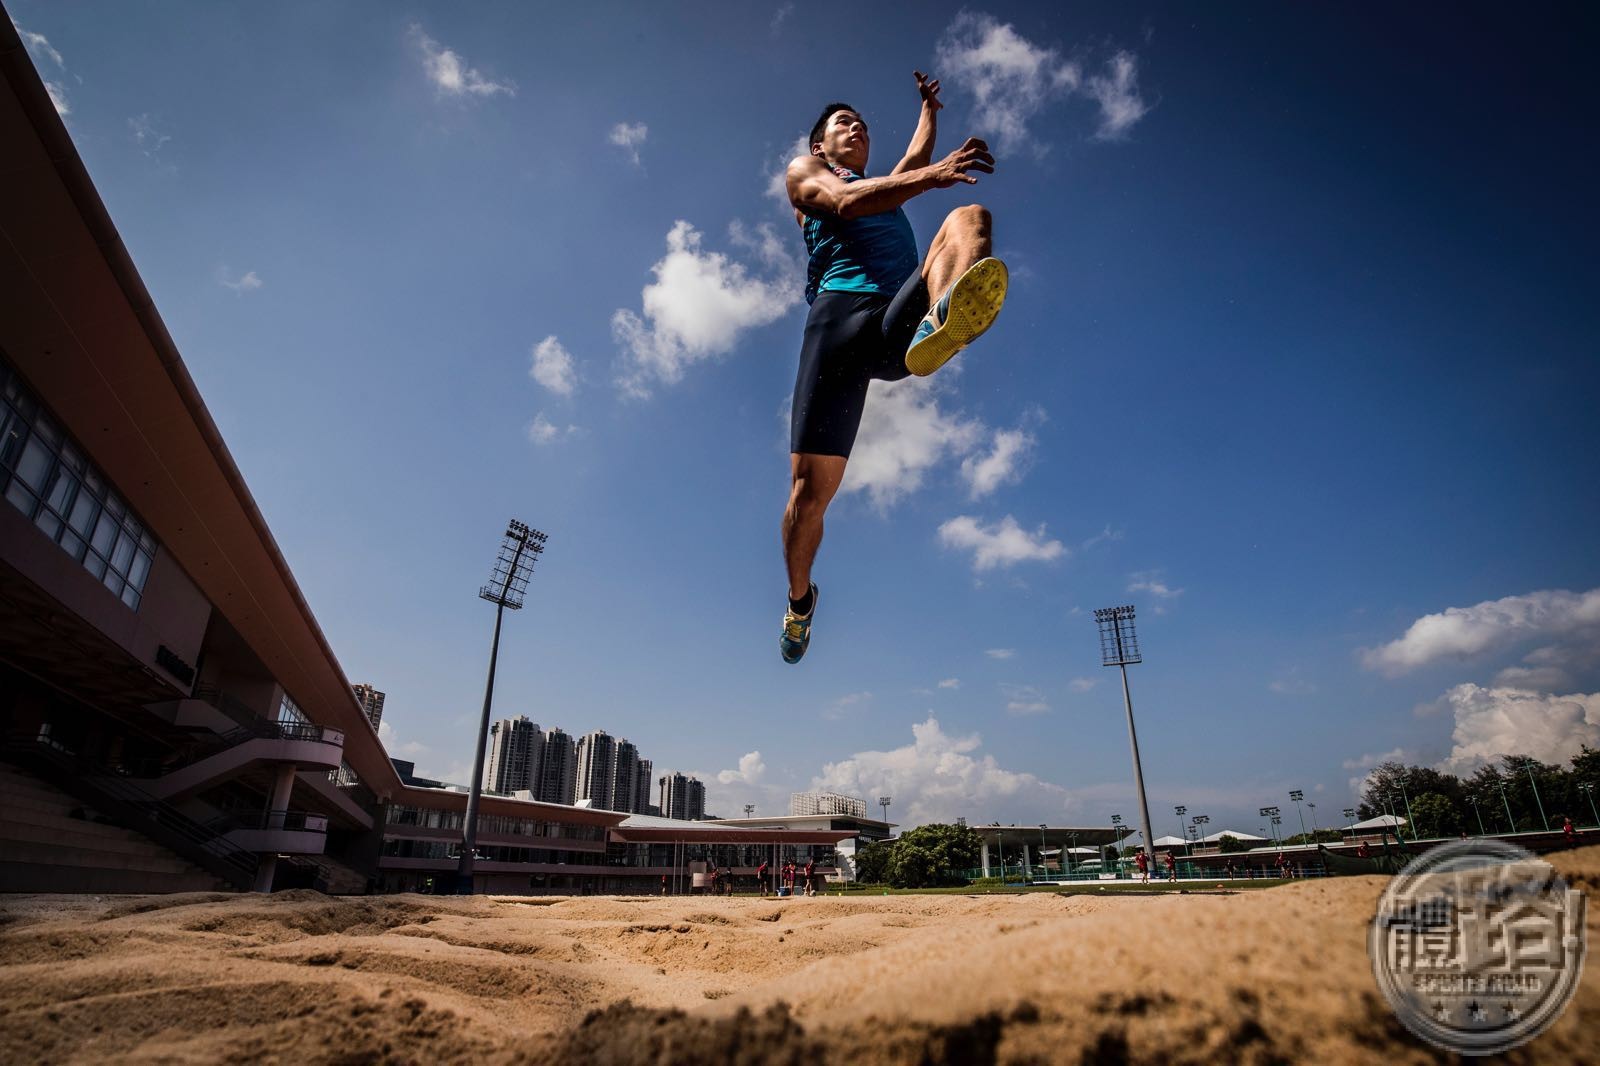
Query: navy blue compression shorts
point(851, 338)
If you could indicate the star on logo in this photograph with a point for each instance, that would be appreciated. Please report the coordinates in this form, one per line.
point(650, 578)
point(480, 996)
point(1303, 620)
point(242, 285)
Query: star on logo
point(1478, 1013)
point(1441, 1012)
point(1512, 1013)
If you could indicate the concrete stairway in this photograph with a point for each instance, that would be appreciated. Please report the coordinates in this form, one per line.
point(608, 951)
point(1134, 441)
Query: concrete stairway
point(44, 847)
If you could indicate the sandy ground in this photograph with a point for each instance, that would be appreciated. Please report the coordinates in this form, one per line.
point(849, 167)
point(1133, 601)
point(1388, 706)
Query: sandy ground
point(1277, 975)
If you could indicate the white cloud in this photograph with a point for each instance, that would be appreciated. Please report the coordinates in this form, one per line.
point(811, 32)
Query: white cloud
point(695, 309)
point(553, 368)
point(779, 16)
point(950, 682)
point(1105, 536)
point(1117, 93)
point(1001, 653)
point(938, 778)
point(392, 745)
point(145, 135)
point(778, 171)
point(1491, 722)
point(41, 50)
point(543, 431)
point(1010, 78)
point(629, 136)
point(248, 283)
point(1571, 619)
point(1082, 684)
point(904, 433)
point(1366, 762)
point(1001, 465)
point(1023, 699)
point(1291, 684)
point(1151, 581)
point(1002, 544)
point(750, 771)
point(450, 73)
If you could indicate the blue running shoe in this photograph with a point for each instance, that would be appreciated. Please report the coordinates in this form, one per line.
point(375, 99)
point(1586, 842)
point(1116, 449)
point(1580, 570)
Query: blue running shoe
point(797, 631)
point(959, 317)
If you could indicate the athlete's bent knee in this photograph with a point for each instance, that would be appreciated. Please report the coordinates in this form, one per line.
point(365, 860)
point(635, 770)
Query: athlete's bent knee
point(973, 217)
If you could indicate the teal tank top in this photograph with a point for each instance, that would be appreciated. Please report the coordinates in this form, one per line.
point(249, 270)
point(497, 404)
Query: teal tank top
point(876, 253)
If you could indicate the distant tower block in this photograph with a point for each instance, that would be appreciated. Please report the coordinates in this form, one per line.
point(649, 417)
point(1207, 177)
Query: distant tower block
point(827, 803)
point(371, 701)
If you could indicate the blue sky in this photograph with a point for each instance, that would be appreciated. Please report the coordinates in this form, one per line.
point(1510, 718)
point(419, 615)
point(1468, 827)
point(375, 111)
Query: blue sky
point(1299, 359)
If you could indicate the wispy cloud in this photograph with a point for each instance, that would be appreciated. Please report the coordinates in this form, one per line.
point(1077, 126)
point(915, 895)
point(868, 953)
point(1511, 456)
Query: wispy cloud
point(1082, 684)
point(1023, 699)
point(780, 16)
point(241, 285)
point(1154, 583)
point(1012, 80)
point(1001, 653)
point(1002, 544)
point(950, 682)
point(1117, 92)
point(146, 135)
point(629, 136)
point(543, 431)
point(778, 170)
point(904, 433)
point(1491, 722)
point(553, 368)
point(1291, 684)
point(43, 52)
point(450, 73)
point(1002, 464)
point(696, 308)
point(844, 705)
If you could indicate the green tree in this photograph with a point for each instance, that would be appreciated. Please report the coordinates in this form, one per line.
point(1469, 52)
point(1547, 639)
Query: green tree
point(872, 862)
point(913, 866)
point(1435, 816)
point(1228, 843)
point(954, 847)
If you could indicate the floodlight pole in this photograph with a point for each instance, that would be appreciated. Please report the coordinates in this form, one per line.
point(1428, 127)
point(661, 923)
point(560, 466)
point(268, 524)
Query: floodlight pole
point(512, 575)
point(1527, 764)
point(1587, 788)
point(1479, 812)
point(1119, 647)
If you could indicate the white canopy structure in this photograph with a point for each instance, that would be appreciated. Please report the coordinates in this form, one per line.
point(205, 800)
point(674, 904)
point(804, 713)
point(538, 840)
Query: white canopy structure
point(1170, 842)
point(1215, 837)
point(1382, 821)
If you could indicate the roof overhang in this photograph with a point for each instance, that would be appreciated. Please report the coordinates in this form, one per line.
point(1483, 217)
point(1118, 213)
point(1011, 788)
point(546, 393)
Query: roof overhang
point(78, 324)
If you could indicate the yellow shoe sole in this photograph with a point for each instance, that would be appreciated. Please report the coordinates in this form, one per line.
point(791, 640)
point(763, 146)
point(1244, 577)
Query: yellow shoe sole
point(975, 302)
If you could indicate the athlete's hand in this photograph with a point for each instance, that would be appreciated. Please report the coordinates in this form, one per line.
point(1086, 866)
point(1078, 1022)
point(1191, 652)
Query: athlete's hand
point(952, 169)
point(929, 88)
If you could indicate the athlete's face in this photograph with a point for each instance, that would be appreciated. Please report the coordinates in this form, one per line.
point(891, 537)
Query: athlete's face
point(844, 140)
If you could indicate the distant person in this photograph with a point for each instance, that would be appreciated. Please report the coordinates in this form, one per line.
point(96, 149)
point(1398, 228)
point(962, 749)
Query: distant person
point(1569, 833)
point(727, 881)
point(1364, 850)
point(788, 877)
point(1142, 861)
point(1232, 871)
point(761, 875)
point(1172, 867)
point(877, 310)
point(663, 884)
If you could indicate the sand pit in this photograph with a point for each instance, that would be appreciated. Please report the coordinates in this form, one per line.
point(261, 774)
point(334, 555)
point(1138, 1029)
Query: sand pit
point(1277, 975)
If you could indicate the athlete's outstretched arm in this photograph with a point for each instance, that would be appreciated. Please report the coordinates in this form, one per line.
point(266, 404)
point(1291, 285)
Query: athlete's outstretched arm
point(814, 189)
point(920, 151)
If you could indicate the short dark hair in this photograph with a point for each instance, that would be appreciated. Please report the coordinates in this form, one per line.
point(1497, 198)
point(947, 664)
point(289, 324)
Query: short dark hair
point(822, 121)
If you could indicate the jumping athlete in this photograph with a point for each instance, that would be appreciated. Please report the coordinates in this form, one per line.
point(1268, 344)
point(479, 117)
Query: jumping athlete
point(871, 313)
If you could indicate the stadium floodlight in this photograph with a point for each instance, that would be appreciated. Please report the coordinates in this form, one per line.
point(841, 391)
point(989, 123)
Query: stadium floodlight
point(1528, 765)
point(507, 586)
point(1298, 795)
point(1314, 829)
point(1479, 812)
point(1119, 647)
point(749, 809)
point(1349, 815)
point(1510, 821)
point(1276, 832)
point(1587, 788)
point(1179, 811)
point(1271, 814)
point(884, 801)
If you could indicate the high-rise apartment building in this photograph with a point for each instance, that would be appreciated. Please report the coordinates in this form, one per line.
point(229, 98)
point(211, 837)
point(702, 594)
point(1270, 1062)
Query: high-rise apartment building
point(624, 776)
point(515, 748)
point(556, 779)
point(682, 797)
point(814, 803)
point(641, 789)
point(597, 769)
point(371, 701)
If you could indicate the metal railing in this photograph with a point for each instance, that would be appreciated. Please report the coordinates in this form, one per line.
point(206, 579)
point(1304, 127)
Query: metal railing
point(298, 821)
point(135, 809)
point(201, 748)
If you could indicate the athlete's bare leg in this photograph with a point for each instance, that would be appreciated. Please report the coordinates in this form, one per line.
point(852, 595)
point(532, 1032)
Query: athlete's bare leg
point(815, 479)
point(962, 240)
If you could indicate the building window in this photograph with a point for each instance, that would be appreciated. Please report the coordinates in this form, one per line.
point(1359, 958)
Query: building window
point(289, 712)
point(45, 475)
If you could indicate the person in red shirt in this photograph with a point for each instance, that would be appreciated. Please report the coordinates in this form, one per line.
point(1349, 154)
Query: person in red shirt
point(1143, 862)
point(1172, 867)
point(788, 877)
point(1568, 833)
point(761, 875)
point(810, 865)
